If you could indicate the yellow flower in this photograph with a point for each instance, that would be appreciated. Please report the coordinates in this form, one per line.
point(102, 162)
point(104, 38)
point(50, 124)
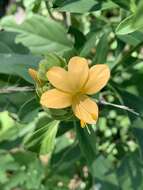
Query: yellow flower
point(72, 88)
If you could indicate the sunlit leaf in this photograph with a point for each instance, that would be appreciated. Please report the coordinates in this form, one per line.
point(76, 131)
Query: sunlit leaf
point(83, 6)
point(39, 41)
point(126, 26)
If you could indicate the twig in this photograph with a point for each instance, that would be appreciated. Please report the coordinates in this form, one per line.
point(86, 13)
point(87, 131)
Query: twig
point(123, 107)
point(47, 3)
point(49, 9)
point(66, 16)
point(13, 89)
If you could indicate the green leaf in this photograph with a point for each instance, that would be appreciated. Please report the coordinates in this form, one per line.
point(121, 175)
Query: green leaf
point(83, 6)
point(101, 50)
point(79, 37)
point(101, 168)
point(133, 39)
point(27, 171)
point(126, 26)
point(7, 163)
point(32, 5)
point(18, 64)
point(8, 45)
point(135, 103)
point(132, 101)
point(87, 143)
point(138, 132)
point(29, 110)
point(138, 18)
point(6, 124)
point(130, 172)
point(42, 140)
point(40, 34)
point(123, 3)
point(89, 44)
point(10, 130)
point(65, 159)
point(13, 101)
point(48, 141)
point(104, 173)
point(15, 59)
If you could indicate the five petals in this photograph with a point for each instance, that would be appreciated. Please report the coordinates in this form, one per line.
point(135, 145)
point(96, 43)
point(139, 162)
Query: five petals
point(72, 86)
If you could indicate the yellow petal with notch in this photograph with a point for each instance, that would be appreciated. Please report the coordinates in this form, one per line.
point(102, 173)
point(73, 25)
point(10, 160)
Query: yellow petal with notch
point(56, 99)
point(58, 77)
point(78, 72)
point(85, 109)
point(98, 78)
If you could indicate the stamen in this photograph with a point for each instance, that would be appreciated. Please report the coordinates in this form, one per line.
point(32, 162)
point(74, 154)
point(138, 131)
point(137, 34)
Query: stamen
point(88, 130)
point(34, 75)
point(82, 123)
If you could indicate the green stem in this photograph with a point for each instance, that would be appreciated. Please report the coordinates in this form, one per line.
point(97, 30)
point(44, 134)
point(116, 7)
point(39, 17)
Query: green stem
point(49, 10)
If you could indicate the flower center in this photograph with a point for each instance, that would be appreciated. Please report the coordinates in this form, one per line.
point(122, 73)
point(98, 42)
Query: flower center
point(77, 95)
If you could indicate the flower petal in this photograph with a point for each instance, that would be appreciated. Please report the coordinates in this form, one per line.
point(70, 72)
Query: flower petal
point(78, 72)
point(98, 78)
point(55, 99)
point(34, 75)
point(58, 77)
point(85, 109)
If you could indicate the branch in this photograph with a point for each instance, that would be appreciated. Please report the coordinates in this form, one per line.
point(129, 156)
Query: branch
point(123, 107)
point(49, 9)
point(47, 3)
point(13, 89)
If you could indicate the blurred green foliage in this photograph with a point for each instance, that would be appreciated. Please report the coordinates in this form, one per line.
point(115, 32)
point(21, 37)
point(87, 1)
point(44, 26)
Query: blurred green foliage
point(38, 152)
